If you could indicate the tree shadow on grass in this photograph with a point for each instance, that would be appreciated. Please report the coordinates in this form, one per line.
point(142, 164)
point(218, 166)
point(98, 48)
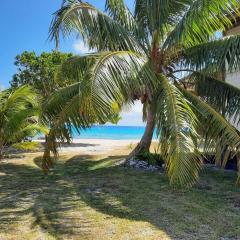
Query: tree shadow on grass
point(56, 201)
point(26, 192)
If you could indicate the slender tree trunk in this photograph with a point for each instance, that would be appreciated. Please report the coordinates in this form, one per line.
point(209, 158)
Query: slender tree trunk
point(145, 143)
point(1, 149)
point(1, 152)
point(46, 161)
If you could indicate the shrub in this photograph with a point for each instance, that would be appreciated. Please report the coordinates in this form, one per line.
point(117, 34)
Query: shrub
point(27, 146)
point(151, 158)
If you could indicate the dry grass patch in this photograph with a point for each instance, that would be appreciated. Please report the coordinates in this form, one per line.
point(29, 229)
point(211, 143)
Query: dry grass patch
point(90, 197)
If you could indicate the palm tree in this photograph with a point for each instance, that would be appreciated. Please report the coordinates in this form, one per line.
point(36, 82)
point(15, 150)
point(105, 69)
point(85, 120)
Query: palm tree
point(146, 55)
point(19, 116)
point(72, 107)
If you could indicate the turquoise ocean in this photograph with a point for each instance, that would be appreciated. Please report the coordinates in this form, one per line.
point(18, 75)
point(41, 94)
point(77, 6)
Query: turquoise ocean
point(112, 132)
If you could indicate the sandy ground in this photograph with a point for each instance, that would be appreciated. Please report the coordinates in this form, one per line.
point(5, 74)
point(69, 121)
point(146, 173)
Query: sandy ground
point(97, 145)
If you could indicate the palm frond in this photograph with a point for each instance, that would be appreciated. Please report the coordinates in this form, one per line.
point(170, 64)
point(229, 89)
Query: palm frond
point(20, 115)
point(120, 13)
point(97, 29)
point(110, 77)
point(159, 16)
point(214, 55)
point(176, 124)
point(28, 130)
point(202, 20)
point(222, 96)
point(216, 127)
point(18, 98)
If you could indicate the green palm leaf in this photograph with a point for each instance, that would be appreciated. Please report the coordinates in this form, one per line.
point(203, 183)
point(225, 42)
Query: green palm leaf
point(216, 127)
point(109, 78)
point(120, 13)
point(214, 55)
point(227, 99)
point(97, 29)
point(176, 124)
point(20, 115)
point(157, 16)
point(201, 22)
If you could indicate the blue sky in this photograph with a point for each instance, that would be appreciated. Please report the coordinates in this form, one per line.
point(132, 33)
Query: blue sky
point(25, 27)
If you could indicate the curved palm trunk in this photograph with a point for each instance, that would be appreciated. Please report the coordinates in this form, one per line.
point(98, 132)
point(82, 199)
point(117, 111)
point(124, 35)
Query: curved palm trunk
point(145, 143)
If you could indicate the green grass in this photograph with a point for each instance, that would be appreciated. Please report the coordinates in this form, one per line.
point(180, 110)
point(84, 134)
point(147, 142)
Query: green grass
point(91, 198)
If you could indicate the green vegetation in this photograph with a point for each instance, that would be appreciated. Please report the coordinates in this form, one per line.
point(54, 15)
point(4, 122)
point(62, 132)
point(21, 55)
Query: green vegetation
point(151, 158)
point(87, 197)
point(142, 56)
point(151, 54)
point(39, 71)
point(27, 146)
point(20, 114)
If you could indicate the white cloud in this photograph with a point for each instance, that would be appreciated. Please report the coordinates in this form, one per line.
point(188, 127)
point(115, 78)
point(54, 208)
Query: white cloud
point(80, 47)
point(136, 108)
point(131, 120)
point(131, 115)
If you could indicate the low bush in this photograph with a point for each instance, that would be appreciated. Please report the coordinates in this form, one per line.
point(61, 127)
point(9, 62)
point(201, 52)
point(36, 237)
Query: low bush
point(27, 146)
point(151, 158)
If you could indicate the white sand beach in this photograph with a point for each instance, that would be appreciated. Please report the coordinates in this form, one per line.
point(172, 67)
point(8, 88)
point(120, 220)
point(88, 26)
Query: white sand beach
point(98, 146)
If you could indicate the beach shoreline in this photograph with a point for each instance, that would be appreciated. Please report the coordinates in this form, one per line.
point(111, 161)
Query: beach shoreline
point(98, 146)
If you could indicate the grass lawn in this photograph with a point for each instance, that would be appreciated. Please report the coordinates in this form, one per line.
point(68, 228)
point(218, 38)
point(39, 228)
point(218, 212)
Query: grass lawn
point(89, 197)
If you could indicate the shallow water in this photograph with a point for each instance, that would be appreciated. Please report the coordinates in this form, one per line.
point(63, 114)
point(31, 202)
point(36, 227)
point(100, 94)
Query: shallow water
point(112, 132)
